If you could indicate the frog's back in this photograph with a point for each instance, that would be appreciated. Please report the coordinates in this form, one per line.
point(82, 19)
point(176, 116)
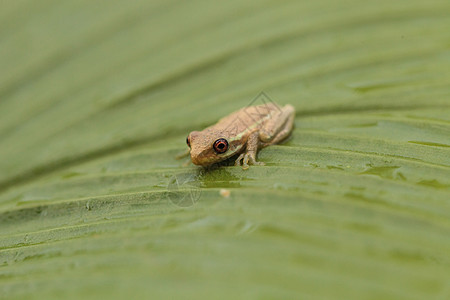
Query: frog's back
point(248, 115)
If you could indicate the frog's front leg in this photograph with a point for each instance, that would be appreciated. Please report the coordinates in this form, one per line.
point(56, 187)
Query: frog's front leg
point(250, 152)
point(183, 154)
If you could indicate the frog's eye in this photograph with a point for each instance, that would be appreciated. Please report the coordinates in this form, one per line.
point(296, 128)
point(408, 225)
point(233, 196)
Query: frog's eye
point(188, 141)
point(220, 146)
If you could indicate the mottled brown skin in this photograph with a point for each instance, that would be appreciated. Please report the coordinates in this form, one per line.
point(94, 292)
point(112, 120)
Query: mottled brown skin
point(246, 131)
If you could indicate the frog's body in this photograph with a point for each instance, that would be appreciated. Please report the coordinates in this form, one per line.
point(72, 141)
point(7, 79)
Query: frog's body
point(243, 132)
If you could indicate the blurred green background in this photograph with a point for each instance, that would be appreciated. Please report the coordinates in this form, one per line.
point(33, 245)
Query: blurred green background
point(97, 97)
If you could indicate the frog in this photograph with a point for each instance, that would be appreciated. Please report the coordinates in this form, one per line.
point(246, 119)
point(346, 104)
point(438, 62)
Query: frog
point(242, 133)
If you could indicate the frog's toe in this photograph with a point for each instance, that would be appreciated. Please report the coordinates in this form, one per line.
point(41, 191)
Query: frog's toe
point(238, 160)
point(187, 163)
point(247, 160)
point(253, 161)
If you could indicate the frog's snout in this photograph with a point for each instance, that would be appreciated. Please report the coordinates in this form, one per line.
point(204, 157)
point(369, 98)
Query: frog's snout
point(195, 160)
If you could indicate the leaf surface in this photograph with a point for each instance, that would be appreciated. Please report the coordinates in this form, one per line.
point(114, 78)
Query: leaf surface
point(96, 100)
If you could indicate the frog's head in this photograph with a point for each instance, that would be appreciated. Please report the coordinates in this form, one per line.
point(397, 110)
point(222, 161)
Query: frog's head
point(210, 146)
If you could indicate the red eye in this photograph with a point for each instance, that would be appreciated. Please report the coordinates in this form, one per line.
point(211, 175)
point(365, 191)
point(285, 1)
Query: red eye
point(188, 141)
point(220, 146)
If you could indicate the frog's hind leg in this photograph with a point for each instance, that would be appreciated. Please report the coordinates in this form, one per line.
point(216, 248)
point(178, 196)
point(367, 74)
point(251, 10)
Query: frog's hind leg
point(278, 127)
point(283, 134)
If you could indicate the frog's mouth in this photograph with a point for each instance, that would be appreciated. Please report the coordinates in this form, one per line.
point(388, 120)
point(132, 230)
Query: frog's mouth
point(199, 161)
point(208, 157)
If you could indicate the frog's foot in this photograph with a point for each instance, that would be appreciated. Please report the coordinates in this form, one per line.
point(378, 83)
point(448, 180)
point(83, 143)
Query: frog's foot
point(183, 154)
point(246, 158)
point(187, 163)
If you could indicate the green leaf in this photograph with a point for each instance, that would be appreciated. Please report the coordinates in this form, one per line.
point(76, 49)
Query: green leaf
point(97, 98)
